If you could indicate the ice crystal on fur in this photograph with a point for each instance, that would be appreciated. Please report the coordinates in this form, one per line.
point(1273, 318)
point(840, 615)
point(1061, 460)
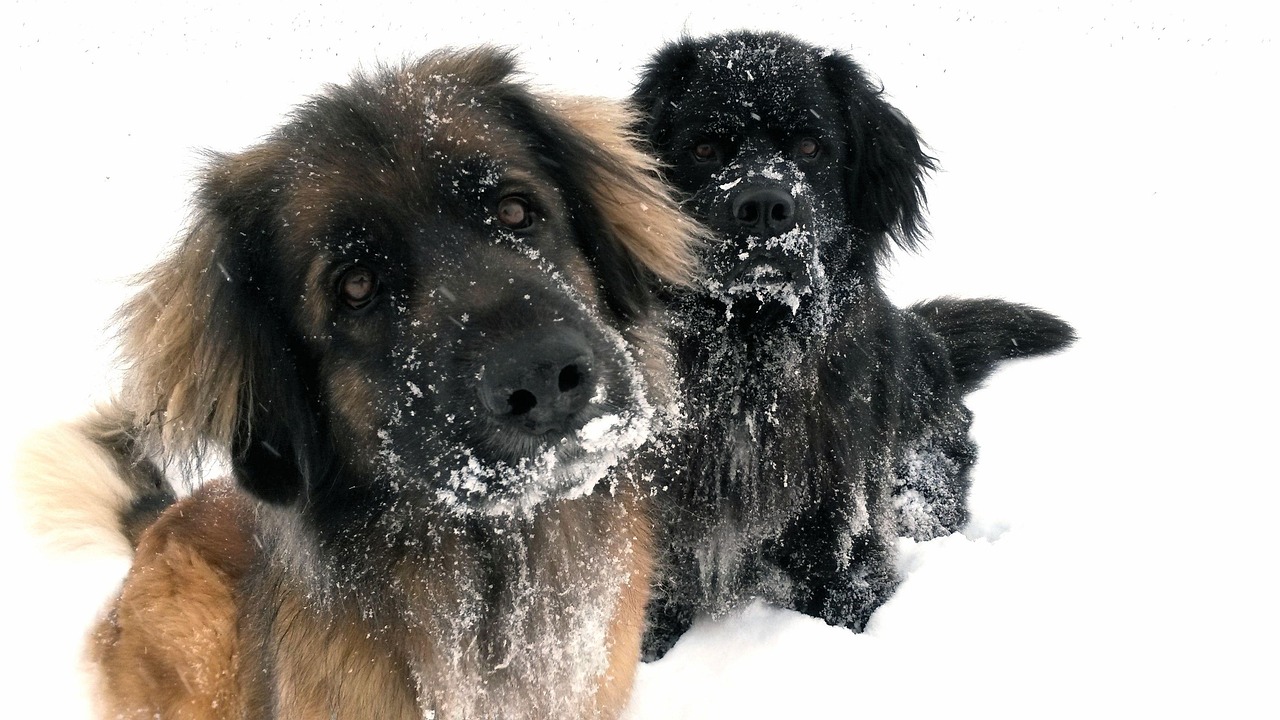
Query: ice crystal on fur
point(927, 503)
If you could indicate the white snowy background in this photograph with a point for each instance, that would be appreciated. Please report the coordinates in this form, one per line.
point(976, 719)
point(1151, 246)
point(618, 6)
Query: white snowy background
point(1113, 162)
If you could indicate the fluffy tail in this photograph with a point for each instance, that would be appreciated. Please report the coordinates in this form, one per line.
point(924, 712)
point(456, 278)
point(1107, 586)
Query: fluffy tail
point(87, 483)
point(980, 334)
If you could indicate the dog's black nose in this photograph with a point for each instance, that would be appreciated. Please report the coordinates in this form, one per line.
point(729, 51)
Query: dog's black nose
point(537, 381)
point(765, 211)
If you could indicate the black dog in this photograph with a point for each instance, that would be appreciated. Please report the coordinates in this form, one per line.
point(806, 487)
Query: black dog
point(823, 422)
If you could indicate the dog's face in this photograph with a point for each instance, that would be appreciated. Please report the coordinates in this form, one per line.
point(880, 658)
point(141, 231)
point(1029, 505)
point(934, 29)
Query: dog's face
point(793, 159)
point(426, 280)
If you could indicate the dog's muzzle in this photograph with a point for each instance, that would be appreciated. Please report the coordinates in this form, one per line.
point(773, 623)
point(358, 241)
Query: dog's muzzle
point(764, 268)
point(772, 247)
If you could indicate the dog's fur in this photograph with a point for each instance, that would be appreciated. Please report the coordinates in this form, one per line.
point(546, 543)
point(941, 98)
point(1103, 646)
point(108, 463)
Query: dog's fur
point(351, 317)
point(823, 422)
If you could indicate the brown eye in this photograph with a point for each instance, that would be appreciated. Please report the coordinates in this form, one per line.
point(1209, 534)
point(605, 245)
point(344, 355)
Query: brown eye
point(704, 152)
point(514, 213)
point(357, 287)
point(808, 147)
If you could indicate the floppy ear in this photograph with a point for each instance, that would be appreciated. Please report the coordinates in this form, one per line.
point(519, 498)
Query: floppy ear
point(663, 78)
point(632, 228)
point(211, 359)
point(885, 176)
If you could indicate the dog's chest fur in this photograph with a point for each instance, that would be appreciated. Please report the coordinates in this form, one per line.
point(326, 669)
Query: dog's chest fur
point(479, 635)
point(776, 433)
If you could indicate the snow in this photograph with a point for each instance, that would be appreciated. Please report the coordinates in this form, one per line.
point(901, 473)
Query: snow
point(1111, 162)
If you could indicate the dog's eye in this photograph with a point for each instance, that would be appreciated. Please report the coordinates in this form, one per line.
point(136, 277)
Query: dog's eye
point(357, 287)
point(705, 152)
point(514, 213)
point(808, 148)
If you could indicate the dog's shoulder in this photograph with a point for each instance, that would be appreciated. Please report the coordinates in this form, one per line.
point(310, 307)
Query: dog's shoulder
point(168, 644)
point(215, 524)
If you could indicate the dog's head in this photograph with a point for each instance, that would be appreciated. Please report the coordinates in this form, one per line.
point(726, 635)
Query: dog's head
point(792, 157)
point(429, 281)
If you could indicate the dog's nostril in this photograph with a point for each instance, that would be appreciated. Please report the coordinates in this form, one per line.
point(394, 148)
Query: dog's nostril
point(781, 212)
point(749, 213)
point(570, 378)
point(521, 402)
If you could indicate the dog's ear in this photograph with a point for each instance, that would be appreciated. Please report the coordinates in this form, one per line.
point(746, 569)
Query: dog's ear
point(887, 168)
point(663, 78)
point(632, 229)
point(211, 358)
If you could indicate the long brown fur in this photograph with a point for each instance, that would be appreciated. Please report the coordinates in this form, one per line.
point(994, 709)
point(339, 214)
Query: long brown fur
point(328, 581)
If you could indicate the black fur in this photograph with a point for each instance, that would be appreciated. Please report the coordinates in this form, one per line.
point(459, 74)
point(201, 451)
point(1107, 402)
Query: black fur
point(979, 334)
point(823, 422)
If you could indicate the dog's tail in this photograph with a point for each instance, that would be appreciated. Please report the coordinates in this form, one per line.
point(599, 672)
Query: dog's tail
point(88, 483)
point(981, 333)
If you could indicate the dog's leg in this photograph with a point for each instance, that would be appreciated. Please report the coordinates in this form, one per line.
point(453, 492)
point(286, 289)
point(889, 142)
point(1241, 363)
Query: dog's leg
point(669, 619)
point(838, 573)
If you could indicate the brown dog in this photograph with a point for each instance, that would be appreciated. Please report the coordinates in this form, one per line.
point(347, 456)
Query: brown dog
point(417, 317)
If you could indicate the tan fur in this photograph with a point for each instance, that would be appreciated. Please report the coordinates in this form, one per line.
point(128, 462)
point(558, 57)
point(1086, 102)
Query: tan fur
point(183, 387)
point(334, 668)
point(640, 206)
